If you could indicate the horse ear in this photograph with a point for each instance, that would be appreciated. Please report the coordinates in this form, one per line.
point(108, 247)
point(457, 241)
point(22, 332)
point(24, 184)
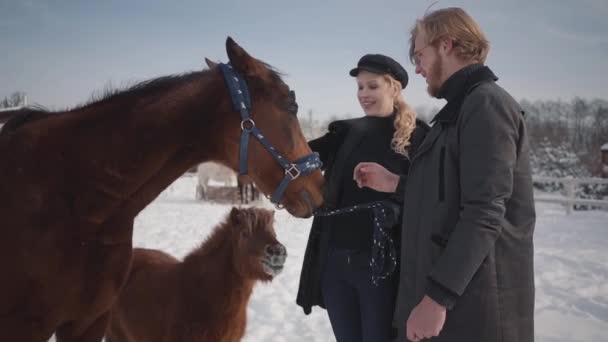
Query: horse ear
point(242, 61)
point(211, 64)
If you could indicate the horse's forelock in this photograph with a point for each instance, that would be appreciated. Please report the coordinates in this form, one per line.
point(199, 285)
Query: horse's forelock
point(257, 217)
point(265, 219)
point(268, 217)
point(272, 77)
point(274, 72)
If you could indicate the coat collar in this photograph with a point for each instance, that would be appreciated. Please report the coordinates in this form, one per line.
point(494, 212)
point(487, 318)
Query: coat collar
point(458, 86)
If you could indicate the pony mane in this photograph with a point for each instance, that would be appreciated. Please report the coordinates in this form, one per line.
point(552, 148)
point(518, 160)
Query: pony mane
point(221, 234)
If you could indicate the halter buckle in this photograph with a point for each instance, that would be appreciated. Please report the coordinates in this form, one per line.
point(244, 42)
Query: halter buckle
point(292, 172)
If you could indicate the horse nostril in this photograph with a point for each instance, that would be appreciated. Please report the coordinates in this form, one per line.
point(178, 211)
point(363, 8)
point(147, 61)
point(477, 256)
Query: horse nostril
point(276, 249)
point(281, 250)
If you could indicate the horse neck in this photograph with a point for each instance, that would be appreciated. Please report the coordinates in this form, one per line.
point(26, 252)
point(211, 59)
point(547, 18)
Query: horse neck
point(211, 272)
point(139, 144)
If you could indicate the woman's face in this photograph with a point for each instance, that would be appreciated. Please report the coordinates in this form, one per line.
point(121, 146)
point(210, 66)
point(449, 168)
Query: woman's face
point(376, 95)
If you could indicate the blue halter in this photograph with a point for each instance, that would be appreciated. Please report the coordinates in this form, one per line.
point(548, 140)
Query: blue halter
point(241, 102)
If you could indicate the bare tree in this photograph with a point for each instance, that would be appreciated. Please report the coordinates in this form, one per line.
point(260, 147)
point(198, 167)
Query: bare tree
point(580, 126)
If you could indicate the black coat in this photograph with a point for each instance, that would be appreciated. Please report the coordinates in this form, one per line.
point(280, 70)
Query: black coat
point(334, 148)
point(470, 217)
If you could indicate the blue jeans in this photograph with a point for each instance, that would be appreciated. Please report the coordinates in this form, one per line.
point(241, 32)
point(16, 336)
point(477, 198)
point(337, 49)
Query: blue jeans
point(358, 310)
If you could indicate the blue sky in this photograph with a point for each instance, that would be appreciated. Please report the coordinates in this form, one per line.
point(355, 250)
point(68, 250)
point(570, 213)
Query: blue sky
point(62, 51)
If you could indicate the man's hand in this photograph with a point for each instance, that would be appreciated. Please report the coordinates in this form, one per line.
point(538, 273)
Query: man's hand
point(375, 176)
point(426, 320)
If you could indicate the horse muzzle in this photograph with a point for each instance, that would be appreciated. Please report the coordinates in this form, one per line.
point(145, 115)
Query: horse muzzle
point(274, 259)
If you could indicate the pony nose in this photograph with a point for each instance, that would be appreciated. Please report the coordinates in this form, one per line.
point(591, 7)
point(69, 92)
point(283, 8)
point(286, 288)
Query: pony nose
point(276, 254)
point(276, 249)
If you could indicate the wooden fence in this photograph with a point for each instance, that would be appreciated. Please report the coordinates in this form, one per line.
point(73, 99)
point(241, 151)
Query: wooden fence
point(570, 185)
point(10, 108)
point(5, 117)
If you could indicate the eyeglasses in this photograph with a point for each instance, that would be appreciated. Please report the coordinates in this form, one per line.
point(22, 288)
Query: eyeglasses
point(418, 54)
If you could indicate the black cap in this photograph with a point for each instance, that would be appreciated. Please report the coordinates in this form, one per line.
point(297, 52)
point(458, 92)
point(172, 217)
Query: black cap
point(381, 64)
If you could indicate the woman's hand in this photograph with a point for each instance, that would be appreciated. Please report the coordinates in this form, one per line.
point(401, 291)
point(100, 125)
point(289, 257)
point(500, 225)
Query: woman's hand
point(376, 177)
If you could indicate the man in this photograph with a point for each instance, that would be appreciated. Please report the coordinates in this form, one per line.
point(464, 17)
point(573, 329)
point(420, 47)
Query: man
point(466, 252)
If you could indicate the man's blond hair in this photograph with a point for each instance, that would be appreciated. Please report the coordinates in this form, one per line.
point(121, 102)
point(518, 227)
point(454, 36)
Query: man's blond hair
point(452, 23)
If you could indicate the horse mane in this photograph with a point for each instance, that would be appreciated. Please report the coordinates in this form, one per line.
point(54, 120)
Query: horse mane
point(275, 74)
point(148, 87)
point(21, 117)
point(213, 243)
point(159, 85)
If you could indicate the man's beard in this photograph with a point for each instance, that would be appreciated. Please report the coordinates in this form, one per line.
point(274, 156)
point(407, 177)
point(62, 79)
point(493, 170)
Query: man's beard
point(434, 76)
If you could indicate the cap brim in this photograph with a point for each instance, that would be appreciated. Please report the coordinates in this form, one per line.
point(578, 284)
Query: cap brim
point(354, 72)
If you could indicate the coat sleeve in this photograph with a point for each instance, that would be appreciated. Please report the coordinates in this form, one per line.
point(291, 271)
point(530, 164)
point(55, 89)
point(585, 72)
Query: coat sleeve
point(327, 144)
point(322, 145)
point(488, 136)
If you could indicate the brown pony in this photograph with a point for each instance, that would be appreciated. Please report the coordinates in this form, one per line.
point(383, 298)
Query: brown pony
point(204, 298)
point(73, 182)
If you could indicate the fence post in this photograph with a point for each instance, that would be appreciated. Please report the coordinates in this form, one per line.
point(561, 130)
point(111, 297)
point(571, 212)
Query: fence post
point(604, 157)
point(570, 193)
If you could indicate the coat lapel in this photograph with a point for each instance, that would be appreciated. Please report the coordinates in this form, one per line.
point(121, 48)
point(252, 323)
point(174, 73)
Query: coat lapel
point(429, 140)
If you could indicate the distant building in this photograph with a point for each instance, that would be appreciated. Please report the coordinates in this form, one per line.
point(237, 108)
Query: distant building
point(604, 151)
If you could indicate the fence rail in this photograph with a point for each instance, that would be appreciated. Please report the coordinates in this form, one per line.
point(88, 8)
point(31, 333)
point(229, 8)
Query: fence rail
point(10, 108)
point(570, 199)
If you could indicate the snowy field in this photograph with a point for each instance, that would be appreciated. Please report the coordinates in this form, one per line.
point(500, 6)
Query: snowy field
point(571, 268)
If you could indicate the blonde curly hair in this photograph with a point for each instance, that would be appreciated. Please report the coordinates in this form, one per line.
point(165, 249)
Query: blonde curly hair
point(405, 118)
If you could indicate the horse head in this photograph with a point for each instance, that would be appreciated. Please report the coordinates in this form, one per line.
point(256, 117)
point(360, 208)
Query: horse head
point(257, 252)
point(276, 160)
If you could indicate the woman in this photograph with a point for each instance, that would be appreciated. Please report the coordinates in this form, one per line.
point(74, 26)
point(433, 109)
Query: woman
point(336, 273)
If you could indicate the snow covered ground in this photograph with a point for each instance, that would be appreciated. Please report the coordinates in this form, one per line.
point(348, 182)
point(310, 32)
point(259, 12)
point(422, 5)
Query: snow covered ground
point(571, 268)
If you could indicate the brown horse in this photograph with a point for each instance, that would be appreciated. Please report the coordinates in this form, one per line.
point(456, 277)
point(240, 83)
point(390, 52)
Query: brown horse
point(204, 298)
point(73, 182)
